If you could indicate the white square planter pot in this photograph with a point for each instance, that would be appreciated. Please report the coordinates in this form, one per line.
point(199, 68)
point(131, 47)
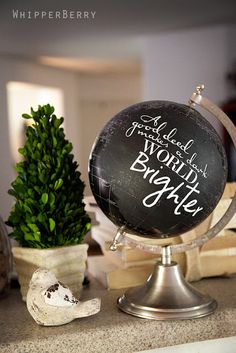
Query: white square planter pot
point(67, 263)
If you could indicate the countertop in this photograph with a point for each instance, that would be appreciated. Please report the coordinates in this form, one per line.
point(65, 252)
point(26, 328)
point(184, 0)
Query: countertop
point(112, 330)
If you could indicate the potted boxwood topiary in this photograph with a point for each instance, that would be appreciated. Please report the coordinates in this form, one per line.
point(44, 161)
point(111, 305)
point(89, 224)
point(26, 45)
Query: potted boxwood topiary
point(48, 218)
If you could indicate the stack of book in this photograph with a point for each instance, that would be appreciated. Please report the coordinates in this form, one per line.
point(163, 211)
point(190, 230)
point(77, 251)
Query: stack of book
point(129, 267)
point(218, 256)
point(114, 269)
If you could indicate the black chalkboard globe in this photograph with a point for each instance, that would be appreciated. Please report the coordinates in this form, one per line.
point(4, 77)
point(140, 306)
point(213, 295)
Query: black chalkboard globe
point(158, 168)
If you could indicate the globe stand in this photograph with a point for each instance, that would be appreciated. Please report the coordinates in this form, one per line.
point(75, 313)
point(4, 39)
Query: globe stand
point(166, 294)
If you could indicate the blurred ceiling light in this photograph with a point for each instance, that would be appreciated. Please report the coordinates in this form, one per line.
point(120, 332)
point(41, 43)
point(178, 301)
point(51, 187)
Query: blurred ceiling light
point(93, 65)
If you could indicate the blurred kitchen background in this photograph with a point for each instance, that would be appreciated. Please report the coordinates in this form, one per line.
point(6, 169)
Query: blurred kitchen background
point(90, 69)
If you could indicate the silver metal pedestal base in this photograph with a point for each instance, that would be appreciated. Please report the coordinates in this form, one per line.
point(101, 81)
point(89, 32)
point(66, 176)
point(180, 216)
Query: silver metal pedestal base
point(166, 295)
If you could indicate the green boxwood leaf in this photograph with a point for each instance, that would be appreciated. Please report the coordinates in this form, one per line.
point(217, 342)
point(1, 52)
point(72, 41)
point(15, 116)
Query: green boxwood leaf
point(33, 227)
point(27, 209)
point(52, 224)
point(37, 188)
point(54, 141)
point(26, 116)
point(53, 176)
point(58, 184)
point(29, 236)
point(51, 199)
point(44, 122)
point(12, 192)
point(21, 150)
point(24, 228)
point(44, 198)
point(37, 236)
point(58, 122)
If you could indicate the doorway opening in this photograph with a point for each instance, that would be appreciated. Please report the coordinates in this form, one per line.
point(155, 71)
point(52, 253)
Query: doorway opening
point(21, 97)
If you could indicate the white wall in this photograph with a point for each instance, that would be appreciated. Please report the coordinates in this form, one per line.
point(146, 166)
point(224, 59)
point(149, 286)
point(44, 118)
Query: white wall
point(89, 102)
point(175, 62)
point(25, 71)
point(100, 98)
